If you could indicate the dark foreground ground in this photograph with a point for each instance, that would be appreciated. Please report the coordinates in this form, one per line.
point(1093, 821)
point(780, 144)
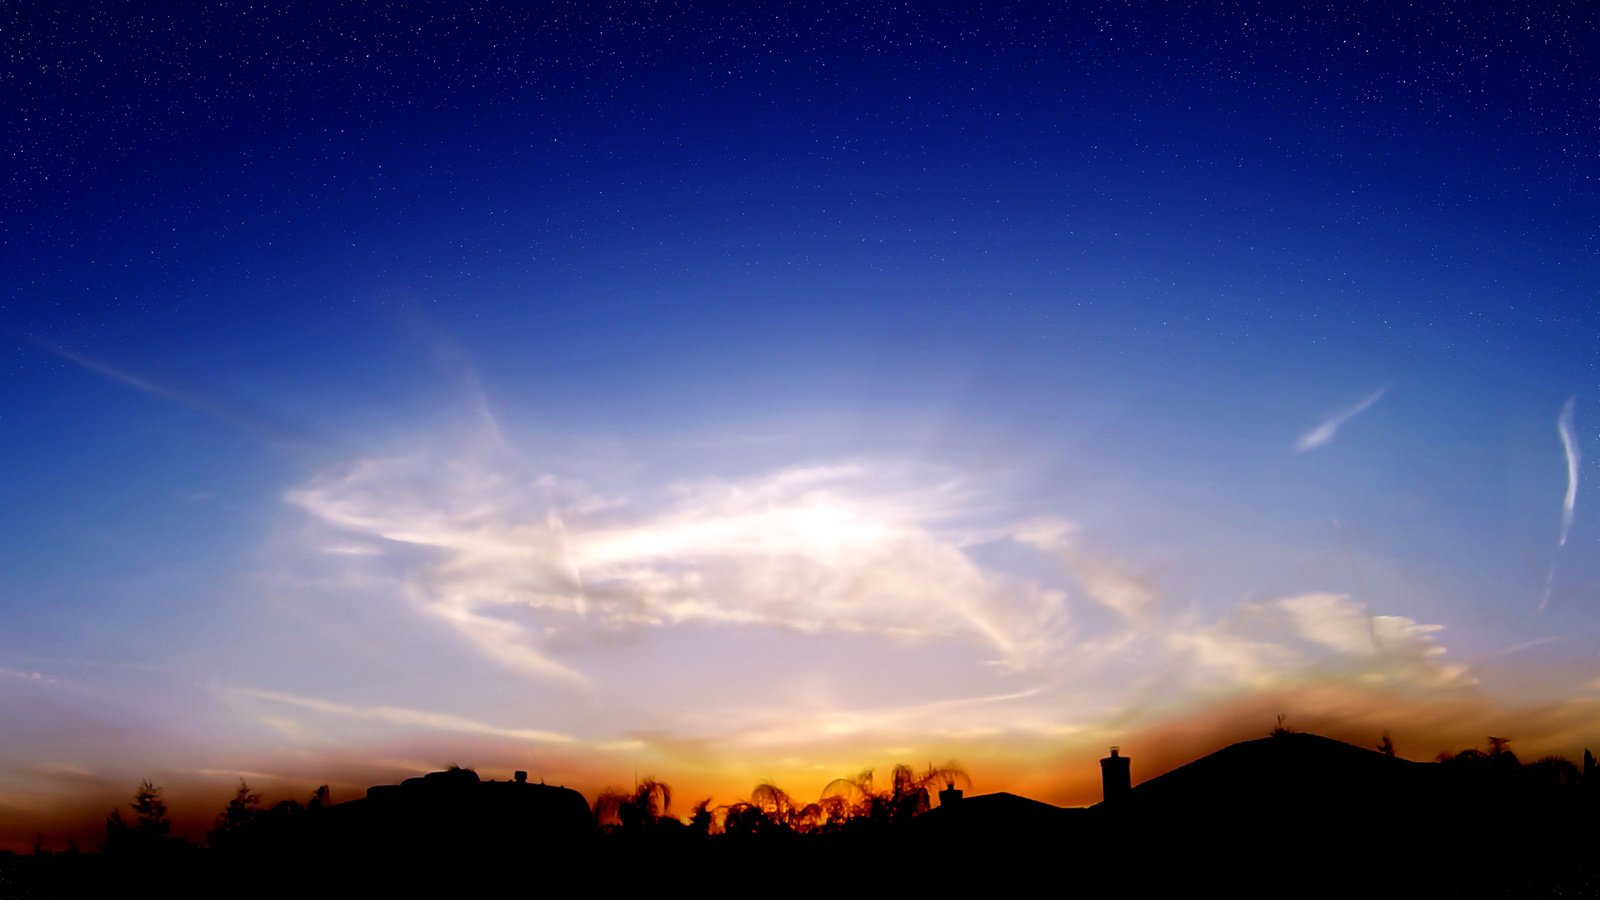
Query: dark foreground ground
point(1480, 857)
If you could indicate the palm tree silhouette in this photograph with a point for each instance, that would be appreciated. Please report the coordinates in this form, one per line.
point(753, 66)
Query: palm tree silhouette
point(635, 812)
point(909, 793)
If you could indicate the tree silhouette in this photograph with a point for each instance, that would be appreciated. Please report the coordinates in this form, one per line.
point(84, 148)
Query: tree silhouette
point(150, 812)
point(634, 812)
point(749, 819)
point(150, 823)
point(701, 818)
point(320, 799)
point(771, 810)
point(773, 801)
point(909, 794)
point(848, 797)
point(1551, 772)
point(240, 813)
point(118, 834)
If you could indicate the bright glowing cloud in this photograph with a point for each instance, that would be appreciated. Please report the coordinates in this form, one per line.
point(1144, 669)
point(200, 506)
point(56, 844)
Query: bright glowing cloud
point(789, 728)
point(517, 565)
point(1329, 428)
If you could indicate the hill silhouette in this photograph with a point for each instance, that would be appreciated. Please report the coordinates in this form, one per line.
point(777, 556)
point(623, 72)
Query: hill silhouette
point(1314, 813)
point(1289, 775)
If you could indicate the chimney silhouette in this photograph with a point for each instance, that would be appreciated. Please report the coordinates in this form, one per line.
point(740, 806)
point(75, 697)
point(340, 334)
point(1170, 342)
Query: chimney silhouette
point(950, 794)
point(1115, 780)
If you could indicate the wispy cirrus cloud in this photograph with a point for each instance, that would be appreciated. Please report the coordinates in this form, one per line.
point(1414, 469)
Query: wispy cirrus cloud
point(120, 376)
point(27, 675)
point(1326, 430)
point(517, 562)
point(1569, 502)
point(1317, 636)
point(400, 716)
point(257, 426)
point(1104, 579)
point(1569, 445)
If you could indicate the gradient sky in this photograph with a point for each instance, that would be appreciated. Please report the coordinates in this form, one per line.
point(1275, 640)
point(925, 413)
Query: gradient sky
point(776, 391)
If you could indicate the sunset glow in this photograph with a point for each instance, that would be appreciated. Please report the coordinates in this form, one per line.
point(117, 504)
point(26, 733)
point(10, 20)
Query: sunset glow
point(732, 395)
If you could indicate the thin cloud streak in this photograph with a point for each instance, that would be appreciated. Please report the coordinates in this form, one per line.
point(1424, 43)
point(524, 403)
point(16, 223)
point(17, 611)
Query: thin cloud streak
point(395, 715)
point(1569, 503)
point(1528, 645)
point(121, 377)
point(29, 676)
point(1325, 432)
point(276, 436)
point(1569, 444)
point(793, 727)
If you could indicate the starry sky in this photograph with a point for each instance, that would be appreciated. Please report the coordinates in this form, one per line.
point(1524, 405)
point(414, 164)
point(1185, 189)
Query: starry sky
point(738, 391)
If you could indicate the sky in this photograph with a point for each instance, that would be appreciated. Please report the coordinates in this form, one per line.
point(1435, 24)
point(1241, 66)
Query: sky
point(775, 391)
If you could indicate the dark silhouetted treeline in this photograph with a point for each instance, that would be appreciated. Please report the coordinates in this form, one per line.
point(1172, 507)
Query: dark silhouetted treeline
point(1289, 813)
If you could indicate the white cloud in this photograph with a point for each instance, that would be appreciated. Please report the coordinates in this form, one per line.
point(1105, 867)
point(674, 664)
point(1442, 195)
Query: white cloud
point(1106, 580)
point(1569, 445)
point(1328, 428)
point(519, 562)
point(1319, 635)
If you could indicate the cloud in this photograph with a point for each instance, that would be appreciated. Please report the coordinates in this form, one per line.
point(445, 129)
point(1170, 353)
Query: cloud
point(763, 726)
point(126, 379)
point(1316, 637)
point(1110, 582)
point(258, 426)
point(241, 774)
point(1569, 444)
point(1528, 645)
point(26, 675)
point(394, 715)
point(1325, 432)
point(522, 562)
point(65, 771)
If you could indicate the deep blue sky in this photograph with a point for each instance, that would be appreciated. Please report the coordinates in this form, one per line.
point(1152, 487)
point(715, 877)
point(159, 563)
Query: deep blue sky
point(1064, 289)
